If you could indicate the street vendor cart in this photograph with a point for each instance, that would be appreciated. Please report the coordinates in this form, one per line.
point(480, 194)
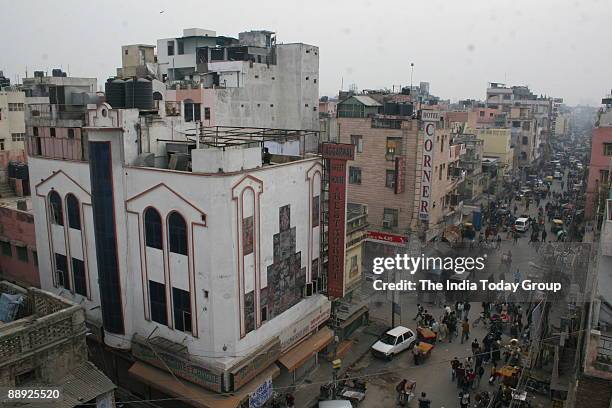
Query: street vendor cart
point(425, 334)
point(425, 349)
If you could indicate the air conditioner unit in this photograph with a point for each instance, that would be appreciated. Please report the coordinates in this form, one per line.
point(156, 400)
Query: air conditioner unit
point(386, 223)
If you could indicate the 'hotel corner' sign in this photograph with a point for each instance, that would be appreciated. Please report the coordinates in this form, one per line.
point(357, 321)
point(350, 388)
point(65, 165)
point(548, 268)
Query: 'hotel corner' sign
point(430, 119)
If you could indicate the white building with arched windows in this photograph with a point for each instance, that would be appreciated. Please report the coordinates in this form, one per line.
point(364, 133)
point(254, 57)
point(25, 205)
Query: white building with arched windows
point(199, 256)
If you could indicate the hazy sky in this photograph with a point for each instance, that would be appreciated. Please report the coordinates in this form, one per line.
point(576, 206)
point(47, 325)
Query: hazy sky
point(557, 47)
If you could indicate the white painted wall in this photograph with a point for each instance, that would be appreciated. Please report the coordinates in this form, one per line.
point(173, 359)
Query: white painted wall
point(207, 203)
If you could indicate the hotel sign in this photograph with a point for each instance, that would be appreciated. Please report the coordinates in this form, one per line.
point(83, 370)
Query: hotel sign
point(181, 366)
point(430, 120)
point(337, 154)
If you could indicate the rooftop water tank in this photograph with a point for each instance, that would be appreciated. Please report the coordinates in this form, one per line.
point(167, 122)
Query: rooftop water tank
point(139, 94)
point(115, 93)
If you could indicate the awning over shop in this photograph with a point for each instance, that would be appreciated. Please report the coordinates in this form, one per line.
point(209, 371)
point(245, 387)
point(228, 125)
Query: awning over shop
point(83, 384)
point(299, 354)
point(193, 394)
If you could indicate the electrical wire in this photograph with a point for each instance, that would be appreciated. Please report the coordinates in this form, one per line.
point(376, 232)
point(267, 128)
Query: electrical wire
point(294, 388)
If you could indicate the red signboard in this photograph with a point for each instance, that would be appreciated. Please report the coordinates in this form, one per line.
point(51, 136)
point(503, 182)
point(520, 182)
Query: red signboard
point(336, 228)
point(337, 154)
point(339, 151)
point(383, 236)
point(400, 174)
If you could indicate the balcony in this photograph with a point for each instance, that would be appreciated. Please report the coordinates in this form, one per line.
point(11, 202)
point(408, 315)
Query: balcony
point(44, 320)
point(57, 148)
point(46, 113)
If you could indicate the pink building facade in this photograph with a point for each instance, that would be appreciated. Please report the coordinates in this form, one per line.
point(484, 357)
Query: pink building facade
point(599, 168)
point(18, 255)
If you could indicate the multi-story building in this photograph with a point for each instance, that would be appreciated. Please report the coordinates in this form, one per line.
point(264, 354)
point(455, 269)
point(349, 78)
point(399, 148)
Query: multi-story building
point(385, 174)
point(142, 241)
point(249, 81)
point(475, 179)
point(12, 129)
point(600, 167)
point(528, 115)
point(497, 142)
point(382, 143)
point(42, 345)
point(137, 60)
point(18, 256)
point(593, 381)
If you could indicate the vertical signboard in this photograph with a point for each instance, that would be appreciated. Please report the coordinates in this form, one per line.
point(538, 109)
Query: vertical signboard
point(337, 154)
point(430, 120)
point(400, 174)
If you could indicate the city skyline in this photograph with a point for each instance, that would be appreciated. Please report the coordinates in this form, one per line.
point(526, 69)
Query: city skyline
point(508, 43)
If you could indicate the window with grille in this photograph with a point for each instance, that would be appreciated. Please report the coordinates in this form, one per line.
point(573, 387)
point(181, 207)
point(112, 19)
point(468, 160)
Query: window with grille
point(357, 140)
point(393, 147)
point(157, 295)
point(153, 228)
point(354, 175)
point(74, 215)
point(182, 310)
point(390, 178)
point(390, 217)
point(6, 248)
point(61, 271)
point(55, 205)
point(177, 234)
point(22, 253)
point(80, 283)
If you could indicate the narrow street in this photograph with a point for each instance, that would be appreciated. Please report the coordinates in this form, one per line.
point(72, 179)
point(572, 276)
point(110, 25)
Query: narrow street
point(434, 375)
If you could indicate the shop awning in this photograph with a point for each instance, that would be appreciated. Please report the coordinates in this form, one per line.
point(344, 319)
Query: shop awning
point(299, 354)
point(83, 384)
point(193, 394)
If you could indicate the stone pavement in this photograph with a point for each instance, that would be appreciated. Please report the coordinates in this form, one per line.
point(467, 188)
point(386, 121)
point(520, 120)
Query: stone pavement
point(307, 392)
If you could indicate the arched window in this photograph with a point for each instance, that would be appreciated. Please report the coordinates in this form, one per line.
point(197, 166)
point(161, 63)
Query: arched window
point(74, 215)
point(153, 228)
point(177, 233)
point(55, 204)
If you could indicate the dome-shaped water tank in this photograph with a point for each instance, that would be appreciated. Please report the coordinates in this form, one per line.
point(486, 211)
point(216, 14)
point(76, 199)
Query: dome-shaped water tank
point(139, 93)
point(115, 93)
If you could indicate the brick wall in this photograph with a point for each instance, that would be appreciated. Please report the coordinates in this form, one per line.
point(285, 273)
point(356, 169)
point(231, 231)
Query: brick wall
point(372, 191)
point(18, 226)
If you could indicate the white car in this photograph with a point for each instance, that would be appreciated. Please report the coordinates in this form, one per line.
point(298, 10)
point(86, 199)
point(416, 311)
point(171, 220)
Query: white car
point(522, 224)
point(558, 175)
point(394, 342)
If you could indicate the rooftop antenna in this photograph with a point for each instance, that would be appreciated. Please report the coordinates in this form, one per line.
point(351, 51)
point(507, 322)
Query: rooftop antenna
point(411, 72)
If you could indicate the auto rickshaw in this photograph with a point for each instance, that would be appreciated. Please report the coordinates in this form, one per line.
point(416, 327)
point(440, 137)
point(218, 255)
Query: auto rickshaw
point(557, 225)
point(549, 179)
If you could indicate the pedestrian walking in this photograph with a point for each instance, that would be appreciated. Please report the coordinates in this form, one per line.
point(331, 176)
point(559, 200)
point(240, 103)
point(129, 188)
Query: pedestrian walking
point(544, 235)
point(464, 399)
point(479, 373)
point(498, 242)
point(465, 330)
point(424, 402)
point(515, 237)
point(475, 346)
point(416, 352)
point(466, 310)
point(454, 365)
point(443, 331)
